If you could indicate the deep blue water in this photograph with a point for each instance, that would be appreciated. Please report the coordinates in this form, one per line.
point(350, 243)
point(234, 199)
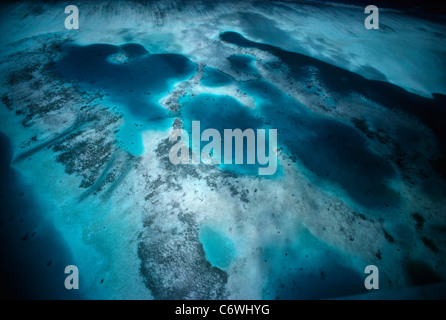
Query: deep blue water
point(215, 78)
point(330, 149)
point(136, 84)
point(430, 111)
point(33, 253)
point(134, 79)
point(224, 112)
point(243, 63)
point(307, 268)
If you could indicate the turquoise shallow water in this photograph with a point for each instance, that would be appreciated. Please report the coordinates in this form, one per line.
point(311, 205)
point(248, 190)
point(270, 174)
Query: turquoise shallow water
point(219, 249)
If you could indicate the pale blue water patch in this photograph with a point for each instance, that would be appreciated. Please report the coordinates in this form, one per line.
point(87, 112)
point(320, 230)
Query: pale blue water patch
point(129, 134)
point(224, 112)
point(215, 78)
point(133, 78)
point(129, 138)
point(243, 63)
point(219, 249)
point(307, 268)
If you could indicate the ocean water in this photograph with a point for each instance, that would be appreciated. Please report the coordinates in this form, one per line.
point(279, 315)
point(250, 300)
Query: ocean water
point(243, 63)
point(357, 181)
point(330, 149)
point(220, 113)
point(327, 147)
point(306, 268)
point(219, 249)
point(214, 78)
point(132, 78)
point(344, 81)
point(34, 254)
